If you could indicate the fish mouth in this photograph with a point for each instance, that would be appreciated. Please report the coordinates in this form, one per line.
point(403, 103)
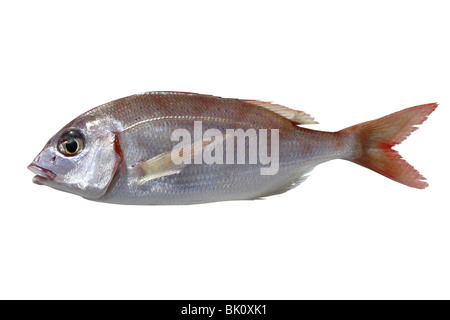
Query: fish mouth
point(42, 174)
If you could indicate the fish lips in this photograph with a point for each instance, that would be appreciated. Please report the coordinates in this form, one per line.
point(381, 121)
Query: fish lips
point(42, 174)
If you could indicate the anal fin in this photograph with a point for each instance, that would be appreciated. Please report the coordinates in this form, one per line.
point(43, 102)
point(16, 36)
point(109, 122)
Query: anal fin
point(294, 181)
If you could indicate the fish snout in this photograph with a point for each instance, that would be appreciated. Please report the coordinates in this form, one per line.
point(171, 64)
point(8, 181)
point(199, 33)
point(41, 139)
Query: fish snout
point(41, 174)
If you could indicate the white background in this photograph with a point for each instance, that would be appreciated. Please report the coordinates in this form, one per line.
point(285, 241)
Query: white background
point(344, 233)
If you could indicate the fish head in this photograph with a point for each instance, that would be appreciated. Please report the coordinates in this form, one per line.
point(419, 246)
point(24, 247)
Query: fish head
point(82, 158)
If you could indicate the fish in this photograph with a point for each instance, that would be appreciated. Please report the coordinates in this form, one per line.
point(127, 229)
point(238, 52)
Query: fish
point(176, 148)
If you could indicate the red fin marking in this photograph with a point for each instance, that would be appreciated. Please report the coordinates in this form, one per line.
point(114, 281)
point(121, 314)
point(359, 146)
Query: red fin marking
point(117, 147)
point(377, 137)
point(119, 153)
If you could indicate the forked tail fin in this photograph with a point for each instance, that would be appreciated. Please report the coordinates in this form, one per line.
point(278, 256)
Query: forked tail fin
point(377, 137)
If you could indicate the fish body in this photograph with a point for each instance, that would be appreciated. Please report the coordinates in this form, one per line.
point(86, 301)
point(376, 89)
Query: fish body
point(122, 151)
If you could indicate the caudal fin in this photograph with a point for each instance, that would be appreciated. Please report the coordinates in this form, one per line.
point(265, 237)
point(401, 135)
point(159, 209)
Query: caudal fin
point(377, 137)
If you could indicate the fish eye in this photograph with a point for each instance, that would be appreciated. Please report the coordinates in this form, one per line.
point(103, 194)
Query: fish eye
point(71, 143)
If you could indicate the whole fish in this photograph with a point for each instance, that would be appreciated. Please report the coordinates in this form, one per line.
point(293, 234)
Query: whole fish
point(153, 148)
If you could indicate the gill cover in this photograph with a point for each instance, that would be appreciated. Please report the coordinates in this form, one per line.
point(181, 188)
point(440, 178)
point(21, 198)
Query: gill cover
point(95, 172)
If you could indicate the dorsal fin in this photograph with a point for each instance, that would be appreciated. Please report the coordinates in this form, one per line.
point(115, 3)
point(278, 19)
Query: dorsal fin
point(295, 116)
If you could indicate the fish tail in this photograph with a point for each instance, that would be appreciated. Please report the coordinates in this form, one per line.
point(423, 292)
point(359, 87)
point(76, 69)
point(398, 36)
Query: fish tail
point(375, 139)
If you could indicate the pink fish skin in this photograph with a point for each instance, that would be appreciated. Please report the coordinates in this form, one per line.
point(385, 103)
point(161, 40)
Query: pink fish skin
point(116, 152)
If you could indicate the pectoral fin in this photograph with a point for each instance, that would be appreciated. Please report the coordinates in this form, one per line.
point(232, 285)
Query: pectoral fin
point(157, 167)
point(169, 163)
